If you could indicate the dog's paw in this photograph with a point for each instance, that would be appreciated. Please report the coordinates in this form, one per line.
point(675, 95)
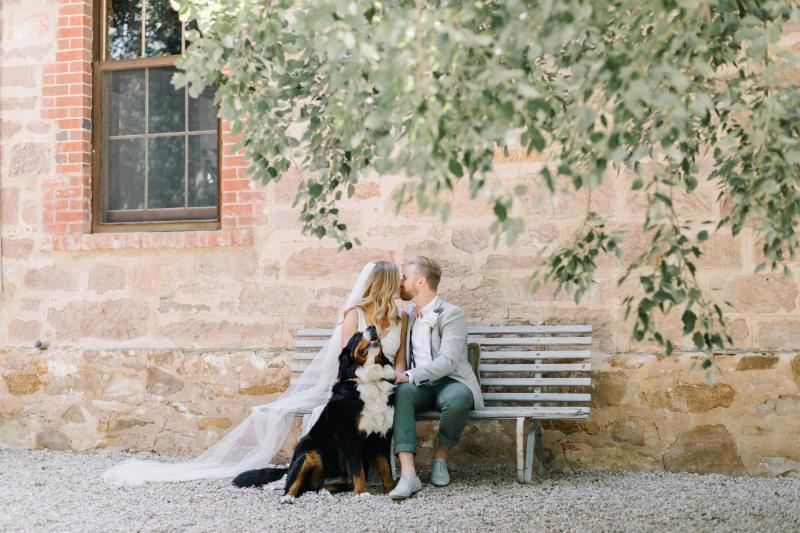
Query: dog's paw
point(325, 493)
point(388, 372)
point(364, 495)
point(288, 499)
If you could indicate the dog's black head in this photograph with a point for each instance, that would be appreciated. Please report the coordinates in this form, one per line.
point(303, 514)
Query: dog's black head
point(362, 349)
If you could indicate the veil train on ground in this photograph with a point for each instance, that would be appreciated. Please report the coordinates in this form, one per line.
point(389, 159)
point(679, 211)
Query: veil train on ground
point(254, 442)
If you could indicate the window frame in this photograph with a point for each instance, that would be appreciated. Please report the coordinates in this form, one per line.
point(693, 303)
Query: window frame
point(100, 66)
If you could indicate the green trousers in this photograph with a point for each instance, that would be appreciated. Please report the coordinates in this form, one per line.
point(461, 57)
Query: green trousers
point(446, 395)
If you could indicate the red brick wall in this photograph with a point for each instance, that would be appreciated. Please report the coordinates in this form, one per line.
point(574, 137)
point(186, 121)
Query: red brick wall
point(67, 209)
point(67, 99)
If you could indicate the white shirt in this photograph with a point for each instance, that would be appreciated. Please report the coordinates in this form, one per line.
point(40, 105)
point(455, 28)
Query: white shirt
point(421, 338)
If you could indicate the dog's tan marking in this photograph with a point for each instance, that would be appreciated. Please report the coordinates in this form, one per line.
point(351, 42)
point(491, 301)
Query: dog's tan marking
point(385, 472)
point(311, 463)
point(359, 482)
point(339, 486)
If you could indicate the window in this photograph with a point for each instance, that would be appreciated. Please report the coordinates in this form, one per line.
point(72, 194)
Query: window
point(156, 149)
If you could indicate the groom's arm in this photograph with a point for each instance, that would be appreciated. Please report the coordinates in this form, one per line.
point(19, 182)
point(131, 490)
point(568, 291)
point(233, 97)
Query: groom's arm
point(451, 349)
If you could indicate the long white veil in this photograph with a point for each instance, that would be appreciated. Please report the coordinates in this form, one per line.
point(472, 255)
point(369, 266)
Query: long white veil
point(255, 441)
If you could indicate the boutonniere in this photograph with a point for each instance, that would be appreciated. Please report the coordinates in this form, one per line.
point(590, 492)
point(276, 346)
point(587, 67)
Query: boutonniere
point(431, 318)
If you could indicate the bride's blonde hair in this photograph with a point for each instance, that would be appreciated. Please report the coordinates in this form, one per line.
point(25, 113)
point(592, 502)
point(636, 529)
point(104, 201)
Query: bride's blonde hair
point(382, 286)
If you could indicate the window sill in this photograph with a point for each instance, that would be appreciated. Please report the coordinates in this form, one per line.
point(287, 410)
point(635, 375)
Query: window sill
point(153, 240)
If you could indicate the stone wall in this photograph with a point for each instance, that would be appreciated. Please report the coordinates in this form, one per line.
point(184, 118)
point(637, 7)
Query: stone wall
point(163, 340)
point(648, 412)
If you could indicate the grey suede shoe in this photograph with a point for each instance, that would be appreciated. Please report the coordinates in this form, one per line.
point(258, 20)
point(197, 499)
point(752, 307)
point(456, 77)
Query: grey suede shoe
point(440, 477)
point(406, 486)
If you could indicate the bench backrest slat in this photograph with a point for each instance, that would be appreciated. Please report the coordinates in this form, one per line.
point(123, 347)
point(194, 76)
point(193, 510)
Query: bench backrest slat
point(520, 366)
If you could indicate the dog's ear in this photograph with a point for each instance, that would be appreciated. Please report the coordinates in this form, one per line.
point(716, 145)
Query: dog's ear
point(346, 356)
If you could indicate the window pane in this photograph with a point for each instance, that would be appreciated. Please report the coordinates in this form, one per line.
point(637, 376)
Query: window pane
point(202, 112)
point(125, 97)
point(165, 185)
point(124, 29)
point(203, 170)
point(126, 174)
point(166, 103)
point(162, 29)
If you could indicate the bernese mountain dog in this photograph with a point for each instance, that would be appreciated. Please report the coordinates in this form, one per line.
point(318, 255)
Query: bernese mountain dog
point(352, 433)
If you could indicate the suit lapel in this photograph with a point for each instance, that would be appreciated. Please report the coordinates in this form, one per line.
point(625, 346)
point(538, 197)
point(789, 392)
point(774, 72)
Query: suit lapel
point(436, 340)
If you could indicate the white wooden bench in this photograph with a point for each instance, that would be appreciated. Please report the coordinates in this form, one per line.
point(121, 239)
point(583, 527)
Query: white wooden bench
point(527, 373)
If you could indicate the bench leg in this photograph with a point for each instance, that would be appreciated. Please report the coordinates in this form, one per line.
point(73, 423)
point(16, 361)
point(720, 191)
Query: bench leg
point(521, 451)
point(538, 448)
point(527, 449)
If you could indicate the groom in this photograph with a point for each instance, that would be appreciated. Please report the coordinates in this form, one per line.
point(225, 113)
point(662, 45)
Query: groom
point(435, 375)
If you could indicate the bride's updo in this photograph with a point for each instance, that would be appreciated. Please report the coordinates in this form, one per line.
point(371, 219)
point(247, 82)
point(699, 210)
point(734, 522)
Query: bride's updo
point(379, 294)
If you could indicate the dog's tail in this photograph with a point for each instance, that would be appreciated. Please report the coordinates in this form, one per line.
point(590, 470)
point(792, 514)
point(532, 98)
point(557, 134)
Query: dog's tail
point(256, 478)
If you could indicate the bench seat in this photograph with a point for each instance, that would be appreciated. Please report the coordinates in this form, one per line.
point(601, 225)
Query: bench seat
point(527, 374)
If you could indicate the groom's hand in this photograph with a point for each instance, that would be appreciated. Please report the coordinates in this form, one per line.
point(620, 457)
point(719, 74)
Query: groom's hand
point(400, 377)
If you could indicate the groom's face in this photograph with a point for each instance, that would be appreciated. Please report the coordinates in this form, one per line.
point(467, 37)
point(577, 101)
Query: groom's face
point(409, 283)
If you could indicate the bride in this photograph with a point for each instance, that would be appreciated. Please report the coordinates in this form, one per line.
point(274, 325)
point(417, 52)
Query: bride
point(255, 441)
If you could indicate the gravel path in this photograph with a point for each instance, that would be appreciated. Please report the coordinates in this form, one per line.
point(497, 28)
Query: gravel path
point(61, 491)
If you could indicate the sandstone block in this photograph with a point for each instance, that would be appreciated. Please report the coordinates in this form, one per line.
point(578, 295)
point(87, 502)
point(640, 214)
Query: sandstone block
point(270, 385)
point(720, 251)
point(366, 190)
point(110, 319)
point(162, 383)
point(759, 293)
point(757, 362)
point(124, 386)
point(9, 207)
point(536, 236)
point(429, 248)
point(53, 277)
point(513, 262)
point(224, 265)
point(313, 263)
point(316, 314)
point(22, 384)
point(104, 278)
point(693, 397)
point(705, 449)
point(470, 240)
point(267, 300)
point(9, 128)
point(481, 304)
point(17, 248)
point(156, 278)
point(778, 466)
point(778, 334)
point(608, 388)
point(24, 330)
point(30, 159)
point(620, 457)
point(214, 422)
point(74, 414)
point(52, 439)
point(629, 429)
point(796, 369)
point(121, 424)
point(214, 333)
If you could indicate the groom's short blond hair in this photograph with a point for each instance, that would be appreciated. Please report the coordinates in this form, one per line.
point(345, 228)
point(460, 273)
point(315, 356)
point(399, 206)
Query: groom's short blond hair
point(429, 269)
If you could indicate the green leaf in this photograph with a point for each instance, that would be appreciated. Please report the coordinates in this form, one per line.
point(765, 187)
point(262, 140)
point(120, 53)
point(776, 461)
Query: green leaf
point(455, 168)
point(689, 319)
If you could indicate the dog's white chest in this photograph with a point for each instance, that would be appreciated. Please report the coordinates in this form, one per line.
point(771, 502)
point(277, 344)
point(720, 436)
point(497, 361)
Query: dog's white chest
point(377, 416)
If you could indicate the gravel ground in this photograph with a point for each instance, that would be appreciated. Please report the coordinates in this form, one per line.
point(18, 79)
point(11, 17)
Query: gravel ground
point(62, 491)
